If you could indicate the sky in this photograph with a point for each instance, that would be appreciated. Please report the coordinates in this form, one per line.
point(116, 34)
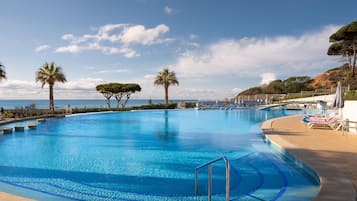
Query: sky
point(216, 47)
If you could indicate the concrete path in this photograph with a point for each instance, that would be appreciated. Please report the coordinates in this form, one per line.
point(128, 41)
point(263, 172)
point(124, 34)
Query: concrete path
point(332, 155)
point(8, 197)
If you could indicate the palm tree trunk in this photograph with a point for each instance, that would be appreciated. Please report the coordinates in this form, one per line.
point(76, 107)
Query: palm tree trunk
point(52, 107)
point(166, 95)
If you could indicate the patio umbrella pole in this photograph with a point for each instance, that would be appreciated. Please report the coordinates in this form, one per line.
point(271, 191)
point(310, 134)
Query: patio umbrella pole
point(339, 102)
point(342, 121)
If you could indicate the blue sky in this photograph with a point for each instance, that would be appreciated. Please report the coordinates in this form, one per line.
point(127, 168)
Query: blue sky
point(217, 48)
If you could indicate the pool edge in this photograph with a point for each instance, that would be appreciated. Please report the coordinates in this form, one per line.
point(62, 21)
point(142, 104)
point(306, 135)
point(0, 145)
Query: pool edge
point(278, 148)
point(325, 191)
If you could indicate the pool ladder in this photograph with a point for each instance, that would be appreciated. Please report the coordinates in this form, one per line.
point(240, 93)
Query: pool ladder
point(209, 165)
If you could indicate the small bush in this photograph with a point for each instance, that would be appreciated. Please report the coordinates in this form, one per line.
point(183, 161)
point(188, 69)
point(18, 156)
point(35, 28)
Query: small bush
point(190, 104)
point(155, 106)
point(351, 95)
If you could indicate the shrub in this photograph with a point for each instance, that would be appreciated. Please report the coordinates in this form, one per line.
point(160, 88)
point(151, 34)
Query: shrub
point(155, 106)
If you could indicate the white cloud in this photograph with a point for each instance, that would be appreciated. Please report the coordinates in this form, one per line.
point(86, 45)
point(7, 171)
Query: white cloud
point(41, 48)
point(267, 78)
point(129, 53)
point(74, 48)
point(282, 55)
point(193, 44)
point(168, 10)
point(149, 90)
point(112, 71)
point(18, 84)
point(236, 90)
point(81, 84)
point(103, 30)
point(69, 49)
point(139, 34)
point(116, 39)
point(82, 88)
point(191, 93)
point(193, 36)
point(85, 88)
point(69, 37)
point(149, 76)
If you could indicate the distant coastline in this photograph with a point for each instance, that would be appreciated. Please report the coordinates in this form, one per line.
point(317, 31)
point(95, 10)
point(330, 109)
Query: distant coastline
point(75, 103)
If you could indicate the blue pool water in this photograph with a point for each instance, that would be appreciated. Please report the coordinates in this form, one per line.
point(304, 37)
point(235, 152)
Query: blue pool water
point(149, 155)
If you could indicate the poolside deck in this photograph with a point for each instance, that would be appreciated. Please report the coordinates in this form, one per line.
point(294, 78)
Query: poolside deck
point(9, 197)
point(332, 155)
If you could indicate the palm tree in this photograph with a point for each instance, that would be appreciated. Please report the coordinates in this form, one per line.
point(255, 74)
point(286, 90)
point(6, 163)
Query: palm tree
point(2, 72)
point(166, 78)
point(50, 74)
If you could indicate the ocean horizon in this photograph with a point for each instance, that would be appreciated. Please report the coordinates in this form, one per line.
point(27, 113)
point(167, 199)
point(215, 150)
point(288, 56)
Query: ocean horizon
point(77, 103)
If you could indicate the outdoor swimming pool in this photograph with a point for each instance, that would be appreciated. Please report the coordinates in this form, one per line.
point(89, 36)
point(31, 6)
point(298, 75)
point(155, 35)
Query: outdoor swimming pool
point(149, 155)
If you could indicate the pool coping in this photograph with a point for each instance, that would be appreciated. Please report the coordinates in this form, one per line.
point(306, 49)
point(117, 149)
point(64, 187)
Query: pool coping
point(13, 120)
point(87, 113)
point(312, 165)
point(291, 158)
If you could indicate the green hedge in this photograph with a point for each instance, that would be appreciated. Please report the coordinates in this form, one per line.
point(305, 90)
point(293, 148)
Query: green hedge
point(155, 106)
point(22, 113)
point(351, 95)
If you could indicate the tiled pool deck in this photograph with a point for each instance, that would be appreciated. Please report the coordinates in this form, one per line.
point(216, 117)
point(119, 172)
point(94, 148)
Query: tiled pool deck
point(330, 153)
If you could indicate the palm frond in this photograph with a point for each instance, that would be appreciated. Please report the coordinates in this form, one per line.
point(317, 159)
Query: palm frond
point(166, 78)
point(2, 72)
point(50, 74)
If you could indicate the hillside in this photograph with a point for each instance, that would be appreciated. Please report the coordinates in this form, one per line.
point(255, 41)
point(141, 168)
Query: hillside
point(326, 80)
point(330, 78)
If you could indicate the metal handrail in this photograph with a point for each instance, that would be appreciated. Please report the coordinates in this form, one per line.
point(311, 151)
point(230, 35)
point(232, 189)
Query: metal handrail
point(209, 164)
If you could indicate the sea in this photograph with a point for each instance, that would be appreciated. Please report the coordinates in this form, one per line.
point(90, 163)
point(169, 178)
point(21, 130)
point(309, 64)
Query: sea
point(93, 103)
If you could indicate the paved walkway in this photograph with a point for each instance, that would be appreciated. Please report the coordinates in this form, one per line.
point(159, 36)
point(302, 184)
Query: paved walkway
point(332, 155)
point(8, 197)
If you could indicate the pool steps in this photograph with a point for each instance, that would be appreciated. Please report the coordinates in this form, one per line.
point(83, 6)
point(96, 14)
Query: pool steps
point(41, 120)
point(32, 125)
point(21, 128)
point(247, 161)
point(105, 194)
point(209, 166)
point(7, 130)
